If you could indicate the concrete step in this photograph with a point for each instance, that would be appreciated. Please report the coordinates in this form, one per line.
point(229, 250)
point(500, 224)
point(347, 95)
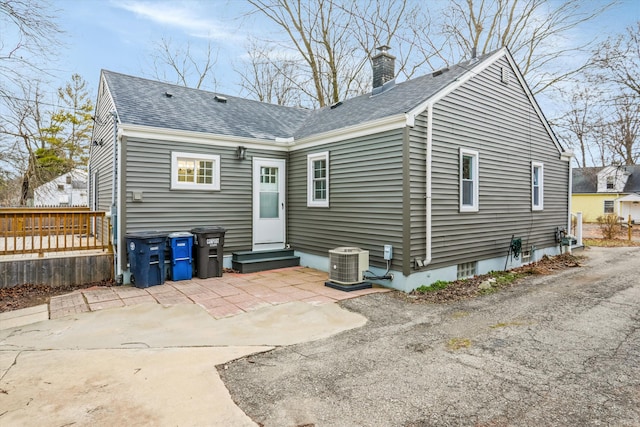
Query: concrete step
point(253, 261)
point(253, 255)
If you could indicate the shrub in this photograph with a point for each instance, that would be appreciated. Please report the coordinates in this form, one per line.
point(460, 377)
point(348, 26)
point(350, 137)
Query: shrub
point(608, 226)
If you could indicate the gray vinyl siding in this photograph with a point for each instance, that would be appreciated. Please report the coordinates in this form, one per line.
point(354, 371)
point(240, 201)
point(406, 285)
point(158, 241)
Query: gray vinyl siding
point(498, 121)
point(418, 200)
point(365, 198)
point(101, 156)
point(163, 209)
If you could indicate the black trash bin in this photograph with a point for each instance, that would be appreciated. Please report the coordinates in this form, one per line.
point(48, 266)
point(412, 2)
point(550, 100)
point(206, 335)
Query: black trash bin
point(209, 245)
point(146, 257)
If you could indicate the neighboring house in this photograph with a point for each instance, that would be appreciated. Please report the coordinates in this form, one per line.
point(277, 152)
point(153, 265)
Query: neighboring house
point(69, 189)
point(446, 168)
point(608, 190)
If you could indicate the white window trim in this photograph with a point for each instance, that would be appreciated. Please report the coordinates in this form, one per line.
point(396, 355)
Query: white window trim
point(539, 206)
point(476, 181)
point(176, 185)
point(604, 207)
point(310, 190)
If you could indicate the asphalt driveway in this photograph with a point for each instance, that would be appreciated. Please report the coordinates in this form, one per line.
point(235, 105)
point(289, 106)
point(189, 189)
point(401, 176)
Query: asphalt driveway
point(559, 350)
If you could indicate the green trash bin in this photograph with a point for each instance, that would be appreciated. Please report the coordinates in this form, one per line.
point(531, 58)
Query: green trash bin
point(209, 249)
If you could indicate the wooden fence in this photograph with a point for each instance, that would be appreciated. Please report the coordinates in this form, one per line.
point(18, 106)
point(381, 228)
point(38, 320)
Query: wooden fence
point(41, 230)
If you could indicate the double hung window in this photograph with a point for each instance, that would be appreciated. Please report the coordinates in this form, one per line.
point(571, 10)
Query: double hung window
point(537, 187)
point(318, 179)
point(469, 180)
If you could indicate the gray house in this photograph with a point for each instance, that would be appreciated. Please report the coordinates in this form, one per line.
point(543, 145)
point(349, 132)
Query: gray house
point(445, 168)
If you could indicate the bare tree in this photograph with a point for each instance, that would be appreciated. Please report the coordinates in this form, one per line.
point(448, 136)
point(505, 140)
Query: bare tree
point(624, 130)
point(615, 71)
point(269, 78)
point(30, 35)
point(180, 65)
point(617, 60)
point(335, 39)
point(21, 125)
point(531, 29)
point(318, 33)
point(44, 142)
point(577, 127)
point(404, 25)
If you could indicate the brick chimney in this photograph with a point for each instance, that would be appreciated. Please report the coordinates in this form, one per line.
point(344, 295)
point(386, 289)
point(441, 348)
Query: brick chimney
point(384, 65)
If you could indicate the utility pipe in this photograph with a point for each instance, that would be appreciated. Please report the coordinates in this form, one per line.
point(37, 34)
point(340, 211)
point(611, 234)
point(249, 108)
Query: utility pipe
point(428, 256)
point(114, 213)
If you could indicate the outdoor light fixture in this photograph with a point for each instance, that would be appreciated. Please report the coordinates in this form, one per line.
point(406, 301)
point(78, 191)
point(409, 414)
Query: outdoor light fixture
point(241, 153)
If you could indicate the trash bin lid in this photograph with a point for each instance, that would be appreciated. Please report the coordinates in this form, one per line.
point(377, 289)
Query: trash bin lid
point(206, 229)
point(180, 234)
point(146, 235)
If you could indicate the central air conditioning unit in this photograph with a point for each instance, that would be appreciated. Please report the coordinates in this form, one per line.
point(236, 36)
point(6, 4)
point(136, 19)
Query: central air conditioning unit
point(347, 265)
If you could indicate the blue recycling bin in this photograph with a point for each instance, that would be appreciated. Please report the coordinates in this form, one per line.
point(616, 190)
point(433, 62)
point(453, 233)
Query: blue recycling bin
point(146, 257)
point(181, 251)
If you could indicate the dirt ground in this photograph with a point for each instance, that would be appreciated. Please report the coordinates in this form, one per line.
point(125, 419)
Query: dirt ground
point(592, 231)
point(469, 288)
point(28, 295)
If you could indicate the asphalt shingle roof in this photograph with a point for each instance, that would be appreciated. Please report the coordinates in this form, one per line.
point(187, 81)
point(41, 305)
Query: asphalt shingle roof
point(141, 101)
point(585, 180)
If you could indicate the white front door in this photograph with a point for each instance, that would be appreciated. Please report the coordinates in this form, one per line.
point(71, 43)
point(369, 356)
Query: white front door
point(268, 204)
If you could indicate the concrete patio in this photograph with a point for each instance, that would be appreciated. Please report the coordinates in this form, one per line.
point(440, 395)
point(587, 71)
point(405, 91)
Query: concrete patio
point(221, 297)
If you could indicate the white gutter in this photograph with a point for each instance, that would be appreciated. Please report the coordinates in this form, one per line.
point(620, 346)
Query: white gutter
point(429, 148)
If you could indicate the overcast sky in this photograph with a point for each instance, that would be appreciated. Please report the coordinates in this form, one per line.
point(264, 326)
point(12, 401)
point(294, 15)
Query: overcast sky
point(119, 35)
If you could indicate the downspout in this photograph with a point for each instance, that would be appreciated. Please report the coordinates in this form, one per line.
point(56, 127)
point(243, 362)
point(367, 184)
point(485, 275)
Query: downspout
point(570, 192)
point(567, 156)
point(115, 218)
point(428, 256)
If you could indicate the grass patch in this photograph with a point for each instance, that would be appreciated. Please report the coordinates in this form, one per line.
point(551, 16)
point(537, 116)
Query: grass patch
point(435, 286)
point(504, 278)
point(458, 343)
point(459, 314)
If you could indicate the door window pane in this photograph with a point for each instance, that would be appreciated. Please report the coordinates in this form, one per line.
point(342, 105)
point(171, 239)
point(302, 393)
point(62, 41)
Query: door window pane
point(268, 205)
point(269, 196)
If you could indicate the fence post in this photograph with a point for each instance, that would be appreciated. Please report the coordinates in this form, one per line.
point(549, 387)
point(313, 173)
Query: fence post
point(579, 228)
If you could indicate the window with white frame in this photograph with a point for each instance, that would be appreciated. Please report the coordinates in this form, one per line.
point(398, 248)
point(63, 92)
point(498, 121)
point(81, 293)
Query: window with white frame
point(469, 180)
point(318, 179)
point(190, 171)
point(608, 206)
point(610, 182)
point(537, 187)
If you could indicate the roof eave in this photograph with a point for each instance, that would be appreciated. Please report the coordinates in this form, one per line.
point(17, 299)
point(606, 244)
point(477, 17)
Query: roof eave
point(152, 132)
point(395, 121)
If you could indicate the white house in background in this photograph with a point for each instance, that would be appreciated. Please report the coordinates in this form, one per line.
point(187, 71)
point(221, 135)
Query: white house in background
point(69, 189)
